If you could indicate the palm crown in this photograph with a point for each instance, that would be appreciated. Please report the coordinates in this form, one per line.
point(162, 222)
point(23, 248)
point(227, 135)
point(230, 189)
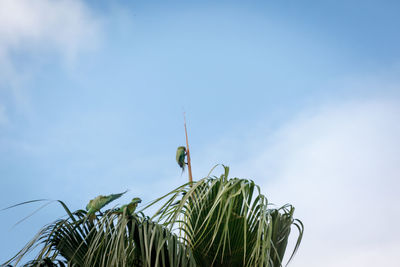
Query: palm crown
point(215, 221)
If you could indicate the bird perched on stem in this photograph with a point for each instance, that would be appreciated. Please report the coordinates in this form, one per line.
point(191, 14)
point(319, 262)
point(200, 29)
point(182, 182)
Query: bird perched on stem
point(180, 157)
point(131, 207)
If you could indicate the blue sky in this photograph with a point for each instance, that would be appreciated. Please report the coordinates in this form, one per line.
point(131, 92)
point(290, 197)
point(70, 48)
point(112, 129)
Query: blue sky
point(300, 97)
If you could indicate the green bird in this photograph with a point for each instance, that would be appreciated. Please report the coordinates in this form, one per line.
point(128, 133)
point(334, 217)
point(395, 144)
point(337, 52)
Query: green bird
point(131, 207)
point(180, 157)
point(99, 202)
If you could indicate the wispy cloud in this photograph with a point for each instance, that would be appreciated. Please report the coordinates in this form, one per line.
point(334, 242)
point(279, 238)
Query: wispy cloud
point(37, 29)
point(67, 26)
point(339, 165)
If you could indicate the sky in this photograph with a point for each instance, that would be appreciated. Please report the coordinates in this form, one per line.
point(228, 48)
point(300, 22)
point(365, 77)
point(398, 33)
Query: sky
point(303, 97)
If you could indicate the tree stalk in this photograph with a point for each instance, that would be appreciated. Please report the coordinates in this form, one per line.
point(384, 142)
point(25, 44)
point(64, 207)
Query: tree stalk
point(188, 153)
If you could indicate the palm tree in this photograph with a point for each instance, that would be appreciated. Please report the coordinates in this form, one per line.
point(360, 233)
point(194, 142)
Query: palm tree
point(215, 221)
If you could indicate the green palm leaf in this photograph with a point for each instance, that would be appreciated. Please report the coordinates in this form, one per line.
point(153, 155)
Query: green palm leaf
point(228, 222)
point(109, 240)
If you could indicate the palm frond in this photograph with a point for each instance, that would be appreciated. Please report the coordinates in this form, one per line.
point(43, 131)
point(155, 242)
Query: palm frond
point(228, 222)
point(109, 240)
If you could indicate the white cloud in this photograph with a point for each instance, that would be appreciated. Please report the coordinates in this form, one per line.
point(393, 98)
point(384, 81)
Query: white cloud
point(66, 25)
point(35, 30)
point(340, 167)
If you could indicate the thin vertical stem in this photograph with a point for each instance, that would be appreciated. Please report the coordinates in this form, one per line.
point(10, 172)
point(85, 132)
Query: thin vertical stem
point(188, 152)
